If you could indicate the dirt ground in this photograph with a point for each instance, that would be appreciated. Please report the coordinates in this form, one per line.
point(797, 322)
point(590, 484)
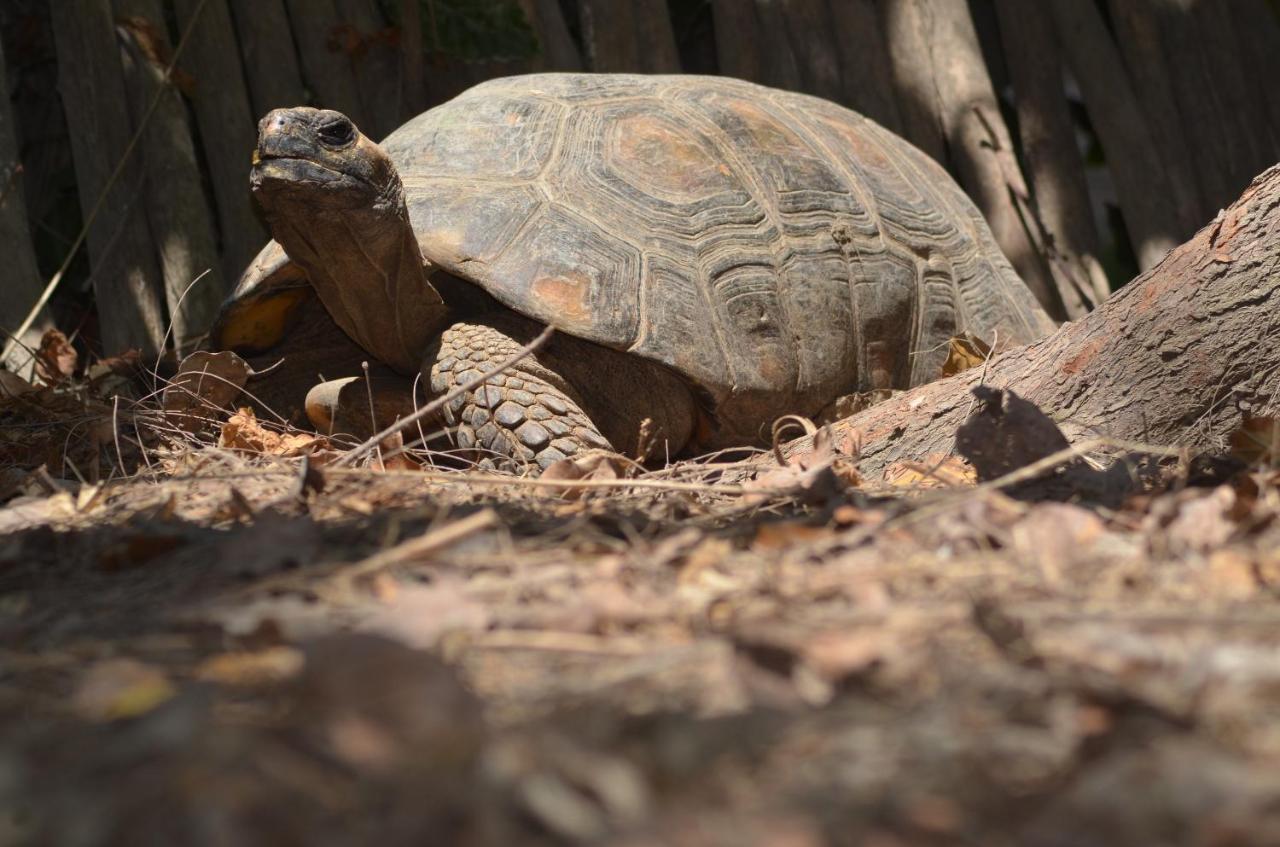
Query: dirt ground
point(237, 646)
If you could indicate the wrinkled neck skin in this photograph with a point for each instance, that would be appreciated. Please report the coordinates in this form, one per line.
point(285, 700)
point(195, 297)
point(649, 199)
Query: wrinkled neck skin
point(365, 264)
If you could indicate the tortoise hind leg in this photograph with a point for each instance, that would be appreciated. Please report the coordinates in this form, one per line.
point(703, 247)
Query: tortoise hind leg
point(541, 410)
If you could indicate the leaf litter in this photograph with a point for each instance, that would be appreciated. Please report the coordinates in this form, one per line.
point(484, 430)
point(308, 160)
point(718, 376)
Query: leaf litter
point(1013, 644)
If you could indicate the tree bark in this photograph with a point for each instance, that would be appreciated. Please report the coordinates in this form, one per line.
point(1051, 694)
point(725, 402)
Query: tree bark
point(556, 50)
point(375, 62)
point(1117, 116)
point(126, 281)
point(1138, 32)
point(20, 283)
point(1054, 164)
point(179, 216)
point(1172, 358)
point(325, 69)
point(270, 61)
point(865, 70)
point(906, 25)
point(227, 127)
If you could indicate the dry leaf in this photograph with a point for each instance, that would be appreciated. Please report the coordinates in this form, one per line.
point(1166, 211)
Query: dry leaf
point(591, 465)
point(205, 381)
point(965, 351)
point(261, 667)
point(1257, 441)
point(936, 471)
point(243, 432)
point(121, 688)
point(390, 455)
point(56, 359)
point(815, 475)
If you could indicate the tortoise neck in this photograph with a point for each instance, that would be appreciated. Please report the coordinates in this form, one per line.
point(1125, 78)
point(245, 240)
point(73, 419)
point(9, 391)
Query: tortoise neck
point(366, 266)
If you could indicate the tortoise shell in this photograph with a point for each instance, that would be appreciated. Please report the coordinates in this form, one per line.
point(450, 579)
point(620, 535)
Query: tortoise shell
point(775, 249)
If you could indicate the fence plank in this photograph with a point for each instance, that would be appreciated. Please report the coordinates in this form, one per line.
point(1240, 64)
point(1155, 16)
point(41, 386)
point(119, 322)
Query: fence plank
point(558, 52)
point(738, 43)
point(866, 73)
point(375, 63)
point(1054, 163)
point(126, 281)
point(608, 35)
point(413, 93)
point(324, 69)
point(20, 284)
point(178, 214)
point(810, 30)
point(270, 60)
point(655, 39)
point(906, 27)
point(227, 127)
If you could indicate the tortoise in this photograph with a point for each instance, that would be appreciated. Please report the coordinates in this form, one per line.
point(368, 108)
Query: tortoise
point(713, 254)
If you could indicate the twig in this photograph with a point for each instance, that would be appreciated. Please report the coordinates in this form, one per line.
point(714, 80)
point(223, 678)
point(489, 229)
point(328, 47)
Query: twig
point(421, 546)
point(440, 402)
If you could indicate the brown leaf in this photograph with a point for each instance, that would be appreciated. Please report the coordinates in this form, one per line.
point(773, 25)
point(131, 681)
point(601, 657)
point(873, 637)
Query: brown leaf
point(1257, 441)
point(121, 688)
point(965, 351)
point(243, 432)
point(815, 475)
point(935, 472)
point(244, 669)
point(205, 382)
point(56, 359)
point(591, 465)
point(390, 455)
point(1005, 433)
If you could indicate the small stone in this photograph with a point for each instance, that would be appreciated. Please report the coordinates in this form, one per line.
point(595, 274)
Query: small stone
point(565, 445)
point(537, 413)
point(550, 456)
point(488, 396)
point(533, 435)
point(509, 414)
point(554, 403)
point(523, 398)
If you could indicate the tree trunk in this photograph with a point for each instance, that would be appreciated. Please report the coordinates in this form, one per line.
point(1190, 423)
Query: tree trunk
point(20, 283)
point(738, 42)
point(1170, 359)
point(1117, 116)
point(126, 282)
point(177, 211)
point(270, 62)
point(556, 50)
point(907, 24)
point(812, 36)
point(227, 127)
point(326, 70)
point(865, 70)
point(375, 63)
point(1054, 164)
point(1138, 32)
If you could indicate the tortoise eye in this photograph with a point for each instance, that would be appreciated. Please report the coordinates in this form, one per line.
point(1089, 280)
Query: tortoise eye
point(337, 133)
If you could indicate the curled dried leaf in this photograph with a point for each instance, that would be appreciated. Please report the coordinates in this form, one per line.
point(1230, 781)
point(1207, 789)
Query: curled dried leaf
point(205, 382)
point(56, 359)
point(244, 432)
point(1257, 441)
point(965, 351)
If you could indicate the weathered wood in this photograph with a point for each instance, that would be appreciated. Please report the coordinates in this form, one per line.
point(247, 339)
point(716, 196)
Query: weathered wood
point(1258, 28)
point(413, 92)
point(178, 214)
point(906, 26)
point(781, 69)
point(608, 35)
point(126, 281)
point(1054, 164)
point(865, 70)
point(270, 60)
point(325, 69)
point(375, 62)
point(556, 49)
point(1138, 33)
point(655, 39)
point(228, 130)
point(812, 36)
point(20, 283)
point(738, 43)
point(1170, 359)
point(979, 142)
point(1118, 119)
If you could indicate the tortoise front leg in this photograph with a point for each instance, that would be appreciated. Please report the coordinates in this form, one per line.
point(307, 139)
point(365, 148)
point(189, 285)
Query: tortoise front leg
point(528, 415)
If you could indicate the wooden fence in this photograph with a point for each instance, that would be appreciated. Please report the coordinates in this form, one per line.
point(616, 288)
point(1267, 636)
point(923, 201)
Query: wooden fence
point(158, 100)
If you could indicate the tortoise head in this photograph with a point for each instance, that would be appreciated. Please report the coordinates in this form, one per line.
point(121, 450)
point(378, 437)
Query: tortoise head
point(334, 201)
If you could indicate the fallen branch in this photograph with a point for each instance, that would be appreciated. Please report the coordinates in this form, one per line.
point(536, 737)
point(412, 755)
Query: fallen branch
point(1172, 358)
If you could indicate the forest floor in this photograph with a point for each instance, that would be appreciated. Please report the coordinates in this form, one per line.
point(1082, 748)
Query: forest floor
point(239, 646)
